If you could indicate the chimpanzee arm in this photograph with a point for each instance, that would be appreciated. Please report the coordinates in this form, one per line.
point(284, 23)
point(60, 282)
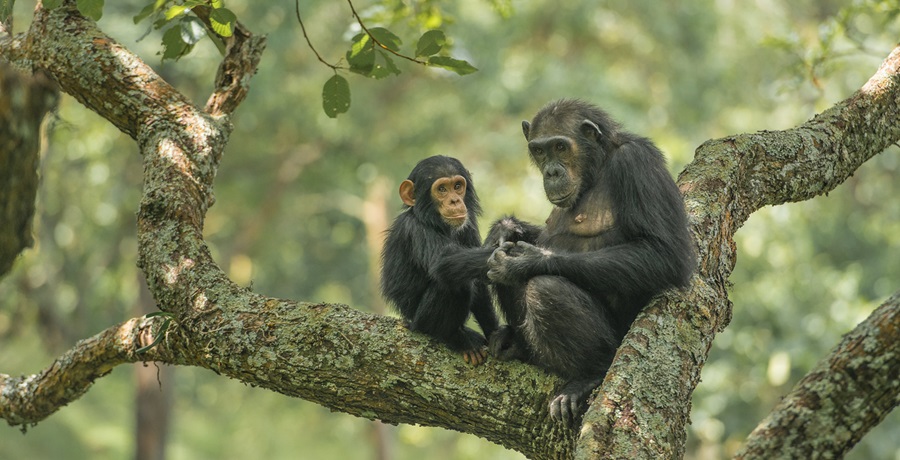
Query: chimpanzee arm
point(483, 309)
point(457, 265)
point(633, 269)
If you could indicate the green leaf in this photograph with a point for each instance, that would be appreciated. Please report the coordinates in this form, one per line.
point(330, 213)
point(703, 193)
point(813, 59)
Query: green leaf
point(6, 9)
point(454, 65)
point(158, 337)
point(50, 4)
point(91, 8)
point(147, 11)
point(222, 21)
point(389, 64)
point(173, 46)
point(217, 4)
point(175, 11)
point(361, 55)
point(336, 96)
point(430, 43)
point(192, 30)
point(385, 67)
point(154, 314)
point(159, 23)
point(386, 38)
point(217, 40)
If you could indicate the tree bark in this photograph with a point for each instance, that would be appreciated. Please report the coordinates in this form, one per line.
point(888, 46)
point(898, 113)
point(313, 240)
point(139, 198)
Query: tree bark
point(369, 365)
point(845, 395)
point(24, 103)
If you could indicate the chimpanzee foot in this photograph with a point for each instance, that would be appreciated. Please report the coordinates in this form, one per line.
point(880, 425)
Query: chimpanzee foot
point(565, 407)
point(502, 345)
point(476, 356)
point(568, 405)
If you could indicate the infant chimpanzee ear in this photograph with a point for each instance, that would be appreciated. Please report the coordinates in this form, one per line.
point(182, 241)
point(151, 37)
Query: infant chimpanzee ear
point(407, 193)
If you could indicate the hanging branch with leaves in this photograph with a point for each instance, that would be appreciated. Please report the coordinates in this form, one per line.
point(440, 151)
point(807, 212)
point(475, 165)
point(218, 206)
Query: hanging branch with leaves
point(370, 56)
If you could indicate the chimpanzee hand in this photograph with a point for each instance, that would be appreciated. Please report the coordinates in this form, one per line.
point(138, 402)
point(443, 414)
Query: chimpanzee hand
point(513, 262)
point(506, 229)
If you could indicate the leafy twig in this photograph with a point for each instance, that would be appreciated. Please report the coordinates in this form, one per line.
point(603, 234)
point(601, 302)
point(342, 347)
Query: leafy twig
point(375, 40)
point(308, 42)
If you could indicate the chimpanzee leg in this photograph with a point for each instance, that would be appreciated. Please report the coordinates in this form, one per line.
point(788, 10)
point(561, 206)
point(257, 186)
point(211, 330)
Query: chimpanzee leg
point(442, 314)
point(570, 335)
point(507, 343)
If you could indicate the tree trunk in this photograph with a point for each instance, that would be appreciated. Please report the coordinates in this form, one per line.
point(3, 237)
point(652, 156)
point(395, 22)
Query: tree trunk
point(154, 392)
point(24, 102)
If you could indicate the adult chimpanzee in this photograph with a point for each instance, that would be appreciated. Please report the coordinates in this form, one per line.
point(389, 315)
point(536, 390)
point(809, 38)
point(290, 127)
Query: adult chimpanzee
point(427, 270)
point(616, 237)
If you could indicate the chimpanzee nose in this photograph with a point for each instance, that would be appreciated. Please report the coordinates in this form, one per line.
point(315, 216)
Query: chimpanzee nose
point(554, 171)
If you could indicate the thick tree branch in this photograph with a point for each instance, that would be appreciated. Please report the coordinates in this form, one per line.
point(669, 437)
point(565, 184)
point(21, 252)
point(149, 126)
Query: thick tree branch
point(775, 167)
point(29, 399)
point(845, 395)
point(658, 365)
point(362, 364)
point(99, 72)
point(243, 51)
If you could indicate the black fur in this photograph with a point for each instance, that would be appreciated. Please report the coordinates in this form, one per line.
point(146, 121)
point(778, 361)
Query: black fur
point(570, 290)
point(427, 270)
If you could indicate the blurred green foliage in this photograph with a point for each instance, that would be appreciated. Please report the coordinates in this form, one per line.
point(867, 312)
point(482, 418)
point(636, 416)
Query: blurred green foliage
point(299, 194)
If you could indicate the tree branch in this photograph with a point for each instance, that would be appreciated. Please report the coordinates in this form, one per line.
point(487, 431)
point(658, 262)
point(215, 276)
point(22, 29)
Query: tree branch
point(845, 395)
point(658, 365)
point(378, 42)
point(776, 167)
point(28, 400)
point(73, 51)
point(309, 42)
point(243, 50)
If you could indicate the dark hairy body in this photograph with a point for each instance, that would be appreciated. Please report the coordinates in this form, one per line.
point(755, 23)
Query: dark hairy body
point(426, 271)
point(617, 236)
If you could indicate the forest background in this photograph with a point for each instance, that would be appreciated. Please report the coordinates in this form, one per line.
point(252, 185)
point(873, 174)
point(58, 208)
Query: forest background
point(303, 201)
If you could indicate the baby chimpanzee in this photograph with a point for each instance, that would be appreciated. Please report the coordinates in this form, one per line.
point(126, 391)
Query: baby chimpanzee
point(433, 266)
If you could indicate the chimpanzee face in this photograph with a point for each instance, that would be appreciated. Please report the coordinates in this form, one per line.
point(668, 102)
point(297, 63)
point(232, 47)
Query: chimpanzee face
point(559, 145)
point(440, 191)
point(556, 156)
point(449, 195)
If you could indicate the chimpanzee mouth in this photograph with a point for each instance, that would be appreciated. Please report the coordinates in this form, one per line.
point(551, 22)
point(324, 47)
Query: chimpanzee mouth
point(564, 201)
point(456, 221)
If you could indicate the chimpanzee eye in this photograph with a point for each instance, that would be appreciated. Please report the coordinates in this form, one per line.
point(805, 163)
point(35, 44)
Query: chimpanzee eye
point(457, 186)
point(442, 188)
point(560, 146)
point(538, 150)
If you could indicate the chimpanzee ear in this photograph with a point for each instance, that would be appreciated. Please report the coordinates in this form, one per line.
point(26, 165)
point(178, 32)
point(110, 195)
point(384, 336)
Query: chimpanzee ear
point(591, 130)
point(407, 193)
point(526, 126)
